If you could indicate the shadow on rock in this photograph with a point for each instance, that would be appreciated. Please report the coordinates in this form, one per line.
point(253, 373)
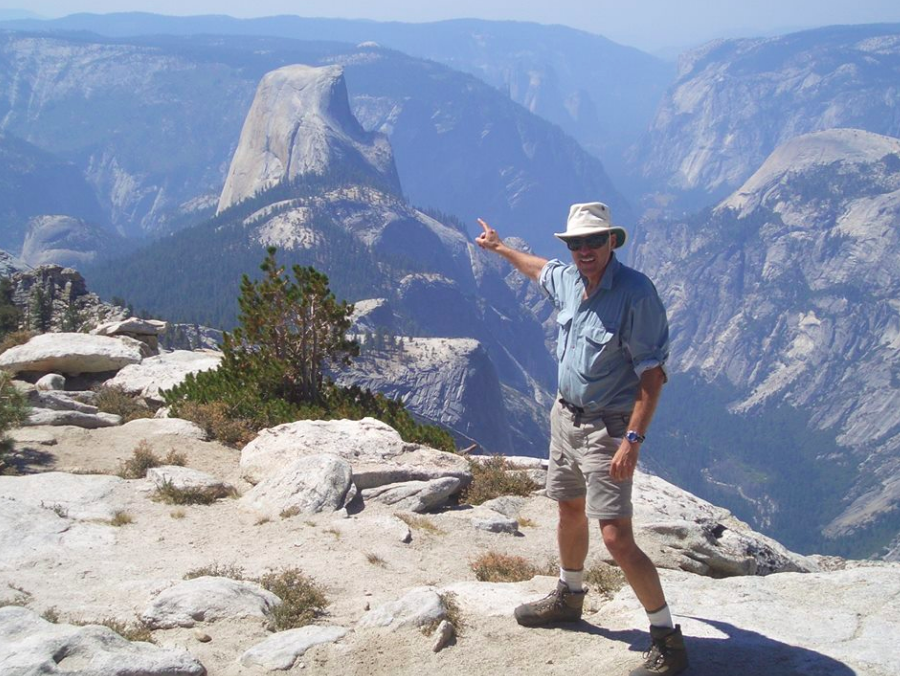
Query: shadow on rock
point(28, 460)
point(743, 653)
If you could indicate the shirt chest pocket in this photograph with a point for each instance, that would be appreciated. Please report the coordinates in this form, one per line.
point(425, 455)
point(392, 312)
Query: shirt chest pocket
point(564, 324)
point(597, 349)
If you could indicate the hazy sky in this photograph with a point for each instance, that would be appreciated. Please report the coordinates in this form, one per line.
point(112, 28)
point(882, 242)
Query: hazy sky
point(648, 24)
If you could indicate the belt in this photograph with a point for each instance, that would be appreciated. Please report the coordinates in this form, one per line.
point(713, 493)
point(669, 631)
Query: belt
point(581, 411)
point(572, 408)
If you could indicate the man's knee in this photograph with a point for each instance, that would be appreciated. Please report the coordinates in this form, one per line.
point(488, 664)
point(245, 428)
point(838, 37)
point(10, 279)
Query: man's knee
point(572, 511)
point(618, 537)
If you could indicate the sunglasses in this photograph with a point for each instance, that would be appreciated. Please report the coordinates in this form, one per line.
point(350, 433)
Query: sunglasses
point(592, 242)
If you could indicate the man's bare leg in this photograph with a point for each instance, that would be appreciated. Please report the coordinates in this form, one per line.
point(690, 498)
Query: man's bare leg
point(618, 536)
point(573, 534)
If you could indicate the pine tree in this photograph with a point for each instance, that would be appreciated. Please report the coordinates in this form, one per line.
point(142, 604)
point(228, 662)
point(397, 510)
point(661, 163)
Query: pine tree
point(289, 330)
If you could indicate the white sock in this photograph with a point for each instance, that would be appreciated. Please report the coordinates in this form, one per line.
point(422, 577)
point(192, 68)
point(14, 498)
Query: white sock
point(661, 617)
point(573, 579)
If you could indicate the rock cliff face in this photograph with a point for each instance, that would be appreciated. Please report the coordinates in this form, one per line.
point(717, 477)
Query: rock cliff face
point(787, 292)
point(735, 101)
point(300, 123)
point(67, 241)
point(446, 380)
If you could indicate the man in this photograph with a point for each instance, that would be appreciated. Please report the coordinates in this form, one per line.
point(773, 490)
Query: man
point(612, 347)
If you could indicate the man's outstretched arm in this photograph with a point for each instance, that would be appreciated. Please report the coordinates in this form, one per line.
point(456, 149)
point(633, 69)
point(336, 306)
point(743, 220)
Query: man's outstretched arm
point(526, 263)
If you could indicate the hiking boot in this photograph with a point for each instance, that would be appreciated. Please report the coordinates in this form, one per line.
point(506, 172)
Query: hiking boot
point(666, 654)
point(560, 605)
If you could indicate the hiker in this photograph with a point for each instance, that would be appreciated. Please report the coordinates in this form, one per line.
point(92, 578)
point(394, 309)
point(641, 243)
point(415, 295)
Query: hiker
point(612, 347)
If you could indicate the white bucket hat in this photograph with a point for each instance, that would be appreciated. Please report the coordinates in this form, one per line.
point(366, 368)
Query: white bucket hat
point(590, 219)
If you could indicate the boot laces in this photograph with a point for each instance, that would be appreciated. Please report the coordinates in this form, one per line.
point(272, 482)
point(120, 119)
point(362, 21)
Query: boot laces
point(655, 655)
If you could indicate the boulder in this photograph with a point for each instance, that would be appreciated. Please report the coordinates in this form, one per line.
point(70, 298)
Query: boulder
point(83, 497)
point(31, 645)
point(281, 651)
point(153, 427)
point(316, 483)
point(132, 326)
point(162, 372)
point(680, 530)
point(207, 599)
point(419, 607)
point(51, 381)
point(70, 354)
point(414, 496)
point(33, 535)
point(374, 450)
point(46, 416)
point(58, 400)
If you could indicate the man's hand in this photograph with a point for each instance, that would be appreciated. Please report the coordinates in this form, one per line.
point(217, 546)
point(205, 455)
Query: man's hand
point(489, 239)
point(624, 461)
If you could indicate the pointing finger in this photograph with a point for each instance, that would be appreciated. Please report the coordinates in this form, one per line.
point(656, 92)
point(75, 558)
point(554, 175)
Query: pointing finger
point(484, 225)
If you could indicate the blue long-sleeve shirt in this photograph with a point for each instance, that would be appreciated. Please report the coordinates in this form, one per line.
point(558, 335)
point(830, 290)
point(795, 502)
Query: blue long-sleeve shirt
point(605, 342)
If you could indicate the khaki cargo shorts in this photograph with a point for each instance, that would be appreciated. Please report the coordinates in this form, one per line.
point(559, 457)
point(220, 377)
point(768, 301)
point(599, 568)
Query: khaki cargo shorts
point(582, 447)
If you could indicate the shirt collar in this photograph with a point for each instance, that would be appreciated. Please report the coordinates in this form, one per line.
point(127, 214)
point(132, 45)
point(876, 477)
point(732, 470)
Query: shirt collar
point(606, 281)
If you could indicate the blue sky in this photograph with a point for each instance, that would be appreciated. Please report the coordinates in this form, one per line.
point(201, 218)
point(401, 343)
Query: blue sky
point(648, 24)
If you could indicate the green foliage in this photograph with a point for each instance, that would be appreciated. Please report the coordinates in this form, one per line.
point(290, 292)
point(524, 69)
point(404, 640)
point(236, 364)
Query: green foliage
point(273, 365)
point(40, 309)
point(13, 410)
point(10, 314)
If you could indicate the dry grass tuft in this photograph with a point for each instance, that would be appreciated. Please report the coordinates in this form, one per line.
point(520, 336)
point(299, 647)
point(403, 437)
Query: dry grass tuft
point(216, 570)
point(170, 494)
point(604, 578)
point(375, 559)
point(302, 600)
point(121, 518)
point(422, 523)
point(497, 567)
point(131, 631)
point(218, 423)
point(493, 478)
point(112, 399)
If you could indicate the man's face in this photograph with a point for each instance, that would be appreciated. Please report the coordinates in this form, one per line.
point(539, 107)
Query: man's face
point(592, 261)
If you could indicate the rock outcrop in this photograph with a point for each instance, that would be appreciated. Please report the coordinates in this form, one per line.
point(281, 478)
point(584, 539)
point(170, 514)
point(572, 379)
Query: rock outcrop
point(300, 124)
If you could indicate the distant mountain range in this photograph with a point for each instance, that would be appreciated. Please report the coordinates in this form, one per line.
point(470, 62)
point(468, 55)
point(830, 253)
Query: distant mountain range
point(763, 181)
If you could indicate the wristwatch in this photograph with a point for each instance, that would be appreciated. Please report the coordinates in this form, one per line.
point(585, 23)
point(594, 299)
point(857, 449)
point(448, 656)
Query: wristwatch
point(634, 438)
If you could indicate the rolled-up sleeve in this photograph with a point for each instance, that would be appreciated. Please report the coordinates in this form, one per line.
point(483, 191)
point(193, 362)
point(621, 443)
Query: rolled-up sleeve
point(551, 279)
point(648, 339)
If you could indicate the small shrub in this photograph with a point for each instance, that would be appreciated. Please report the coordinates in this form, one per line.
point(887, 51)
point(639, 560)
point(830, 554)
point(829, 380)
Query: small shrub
point(289, 512)
point(422, 523)
point(453, 616)
point(262, 520)
point(121, 518)
point(114, 399)
point(173, 457)
point(217, 421)
point(177, 514)
point(170, 494)
point(51, 615)
point(216, 570)
point(130, 631)
point(496, 567)
point(605, 578)
point(493, 478)
point(142, 459)
point(301, 598)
